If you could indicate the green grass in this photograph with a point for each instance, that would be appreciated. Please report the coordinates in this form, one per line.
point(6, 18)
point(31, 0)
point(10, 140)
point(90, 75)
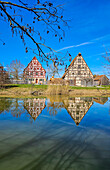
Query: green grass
point(46, 86)
point(90, 88)
point(26, 86)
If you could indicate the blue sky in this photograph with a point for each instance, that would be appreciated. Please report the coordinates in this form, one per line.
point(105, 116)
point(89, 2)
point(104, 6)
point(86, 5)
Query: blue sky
point(89, 33)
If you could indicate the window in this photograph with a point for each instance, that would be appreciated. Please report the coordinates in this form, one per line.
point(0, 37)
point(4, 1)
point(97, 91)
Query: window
point(31, 73)
point(41, 73)
point(36, 73)
point(79, 72)
point(77, 118)
point(78, 106)
point(79, 66)
point(77, 113)
point(41, 79)
point(27, 104)
point(73, 73)
point(79, 60)
point(27, 72)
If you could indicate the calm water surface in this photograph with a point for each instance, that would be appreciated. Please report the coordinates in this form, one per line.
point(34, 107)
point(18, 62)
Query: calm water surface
point(58, 133)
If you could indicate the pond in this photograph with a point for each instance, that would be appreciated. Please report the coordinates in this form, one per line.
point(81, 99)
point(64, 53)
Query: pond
point(55, 133)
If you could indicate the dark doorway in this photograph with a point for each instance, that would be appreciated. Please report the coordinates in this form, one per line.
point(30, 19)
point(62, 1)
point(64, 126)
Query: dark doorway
point(37, 81)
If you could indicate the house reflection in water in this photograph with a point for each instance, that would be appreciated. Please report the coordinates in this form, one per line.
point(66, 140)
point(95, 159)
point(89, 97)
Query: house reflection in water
point(34, 106)
point(77, 107)
point(100, 100)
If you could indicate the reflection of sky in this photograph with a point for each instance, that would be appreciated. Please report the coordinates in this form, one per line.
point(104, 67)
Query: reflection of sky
point(55, 141)
point(97, 116)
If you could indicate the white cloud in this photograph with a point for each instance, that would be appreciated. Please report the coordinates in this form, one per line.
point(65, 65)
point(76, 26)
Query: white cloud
point(85, 43)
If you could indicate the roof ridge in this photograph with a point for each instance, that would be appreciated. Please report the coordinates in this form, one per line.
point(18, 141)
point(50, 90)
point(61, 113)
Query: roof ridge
point(79, 54)
point(70, 65)
point(31, 61)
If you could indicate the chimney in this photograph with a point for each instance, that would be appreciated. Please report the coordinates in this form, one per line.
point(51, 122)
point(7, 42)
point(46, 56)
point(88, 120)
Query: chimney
point(79, 54)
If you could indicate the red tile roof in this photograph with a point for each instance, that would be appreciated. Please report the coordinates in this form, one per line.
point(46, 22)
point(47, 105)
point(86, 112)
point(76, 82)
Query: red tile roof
point(98, 77)
point(34, 58)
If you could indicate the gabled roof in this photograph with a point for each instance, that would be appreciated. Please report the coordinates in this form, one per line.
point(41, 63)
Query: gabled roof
point(98, 77)
point(34, 58)
point(72, 64)
point(78, 121)
point(98, 100)
point(69, 67)
point(34, 117)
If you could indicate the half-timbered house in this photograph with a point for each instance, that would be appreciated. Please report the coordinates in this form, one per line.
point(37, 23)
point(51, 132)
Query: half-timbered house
point(78, 72)
point(34, 72)
point(34, 106)
point(77, 107)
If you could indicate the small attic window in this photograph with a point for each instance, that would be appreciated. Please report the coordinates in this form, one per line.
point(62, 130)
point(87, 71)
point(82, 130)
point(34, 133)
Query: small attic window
point(79, 60)
point(79, 66)
point(79, 73)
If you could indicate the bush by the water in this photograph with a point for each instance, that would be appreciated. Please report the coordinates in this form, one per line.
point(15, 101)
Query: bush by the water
point(58, 89)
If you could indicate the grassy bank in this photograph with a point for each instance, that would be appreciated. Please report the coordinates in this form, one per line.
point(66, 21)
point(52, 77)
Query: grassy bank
point(90, 88)
point(27, 90)
point(55, 86)
point(25, 86)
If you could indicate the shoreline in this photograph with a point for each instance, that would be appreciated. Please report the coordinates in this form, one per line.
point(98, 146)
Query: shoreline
point(18, 92)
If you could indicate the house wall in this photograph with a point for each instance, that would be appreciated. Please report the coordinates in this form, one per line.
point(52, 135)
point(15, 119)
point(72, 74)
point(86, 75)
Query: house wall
point(96, 82)
point(78, 72)
point(77, 107)
point(104, 81)
point(34, 73)
point(34, 106)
